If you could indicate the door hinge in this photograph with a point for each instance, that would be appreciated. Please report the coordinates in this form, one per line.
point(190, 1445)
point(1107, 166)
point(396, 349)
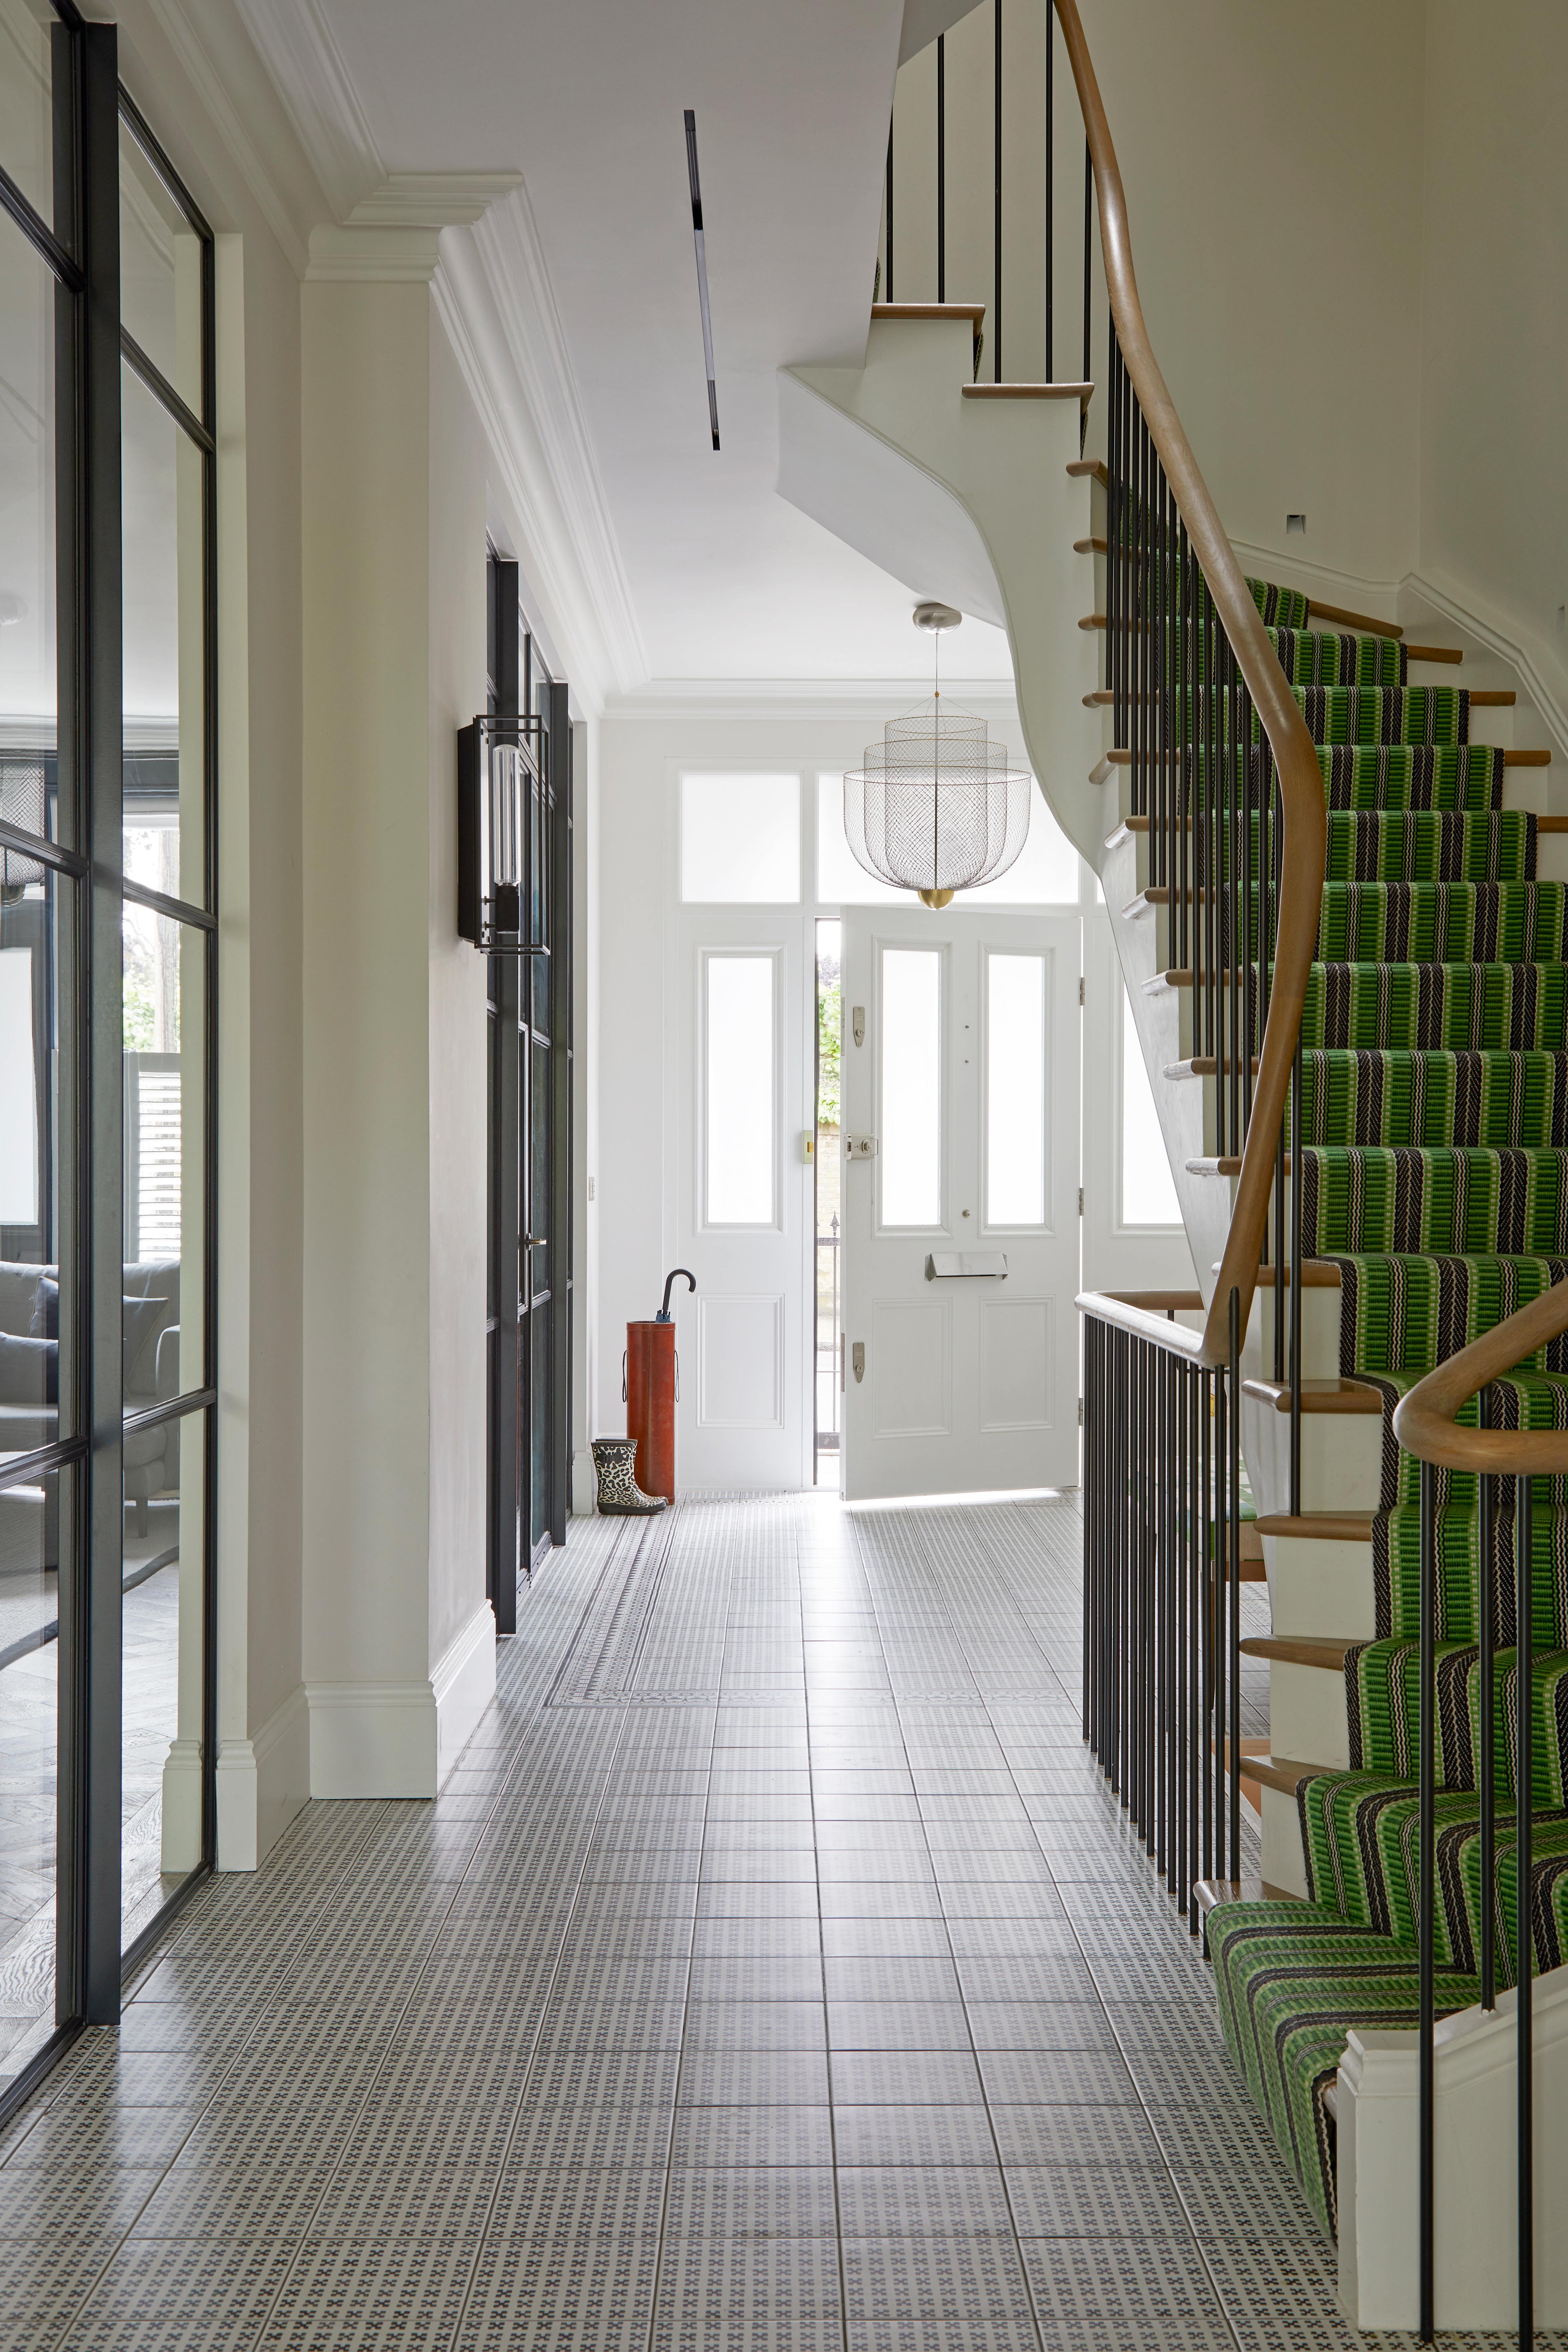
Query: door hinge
point(1080, 991)
point(1081, 1199)
point(1080, 1412)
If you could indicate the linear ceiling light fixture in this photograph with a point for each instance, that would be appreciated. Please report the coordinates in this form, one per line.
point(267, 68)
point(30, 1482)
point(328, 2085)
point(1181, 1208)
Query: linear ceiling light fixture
point(701, 268)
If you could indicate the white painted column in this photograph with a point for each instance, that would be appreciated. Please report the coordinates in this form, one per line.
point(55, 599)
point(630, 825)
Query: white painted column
point(398, 1638)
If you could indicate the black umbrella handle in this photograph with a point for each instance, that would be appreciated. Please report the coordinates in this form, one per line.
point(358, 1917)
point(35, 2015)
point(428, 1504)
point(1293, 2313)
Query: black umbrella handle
point(664, 1315)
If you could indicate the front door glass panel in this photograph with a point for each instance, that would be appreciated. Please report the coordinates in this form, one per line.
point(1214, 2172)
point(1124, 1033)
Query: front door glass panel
point(911, 1143)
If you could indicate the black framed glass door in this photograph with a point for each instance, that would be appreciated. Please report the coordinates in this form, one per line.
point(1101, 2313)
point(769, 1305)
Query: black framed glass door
point(529, 1013)
point(108, 985)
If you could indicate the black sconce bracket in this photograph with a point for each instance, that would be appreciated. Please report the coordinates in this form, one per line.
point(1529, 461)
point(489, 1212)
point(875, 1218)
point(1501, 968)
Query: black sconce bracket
point(504, 798)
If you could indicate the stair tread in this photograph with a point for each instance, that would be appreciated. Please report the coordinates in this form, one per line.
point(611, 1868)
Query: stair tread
point(1209, 1893)
point(1322, 1396)
point(1082, 392)
point(972, 310)
point(1298, 1649)
point(1329, 1527)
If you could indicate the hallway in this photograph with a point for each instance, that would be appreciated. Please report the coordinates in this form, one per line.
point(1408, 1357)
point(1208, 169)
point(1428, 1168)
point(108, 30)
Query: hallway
point(774, 1971)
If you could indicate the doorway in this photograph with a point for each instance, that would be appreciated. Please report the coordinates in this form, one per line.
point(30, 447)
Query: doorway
point(961, 1207)
point(529, 1019)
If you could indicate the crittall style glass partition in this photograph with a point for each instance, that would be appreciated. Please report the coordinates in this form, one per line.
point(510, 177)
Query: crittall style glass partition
point(106, 1000)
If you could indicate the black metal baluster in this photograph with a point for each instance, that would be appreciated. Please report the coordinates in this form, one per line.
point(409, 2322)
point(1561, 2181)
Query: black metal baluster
point(1524, 2074)
point(1050, 183)
point(1426, 1877)
point(1297, 1301)
point(1235, 1513)
point(1485, 1669)
point(1209, 1384)
point(1088, 226)
point(888, 282)
point(1216, 1606)
point(996, 156)
point(942, 165)
point(1194, 1654)
point(1185, 673)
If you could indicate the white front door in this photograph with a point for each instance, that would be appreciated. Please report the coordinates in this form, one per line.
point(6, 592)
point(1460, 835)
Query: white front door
point(960, 1062)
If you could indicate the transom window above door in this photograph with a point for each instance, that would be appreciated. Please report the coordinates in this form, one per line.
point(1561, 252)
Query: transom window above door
point(740, 840)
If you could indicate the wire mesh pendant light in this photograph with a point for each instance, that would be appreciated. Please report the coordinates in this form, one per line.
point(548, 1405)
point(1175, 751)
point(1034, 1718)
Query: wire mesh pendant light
point(936, 808)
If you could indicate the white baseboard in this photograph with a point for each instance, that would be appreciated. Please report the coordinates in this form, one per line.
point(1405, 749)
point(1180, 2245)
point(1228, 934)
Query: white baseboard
point(181, 1810)
point(1464, 603)
point(262, 1783)
point(372, 1739)
point(1378, 598)
point(463, 1682)
point(401, 1739)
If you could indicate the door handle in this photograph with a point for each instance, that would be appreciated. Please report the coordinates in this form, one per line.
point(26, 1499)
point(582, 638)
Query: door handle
point(857, 1358)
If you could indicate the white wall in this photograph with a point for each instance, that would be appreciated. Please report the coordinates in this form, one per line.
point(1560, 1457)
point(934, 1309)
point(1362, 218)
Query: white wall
point(365, 608)
point(458, 1126)
point(1272, 164)
point(1494, 356)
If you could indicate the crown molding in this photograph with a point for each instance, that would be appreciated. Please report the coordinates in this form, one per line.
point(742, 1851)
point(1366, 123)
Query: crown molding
point(204, 79)
point(300, 51)
point(869, 700)
point(494, 296)
point(381, 256)
point(433, 199)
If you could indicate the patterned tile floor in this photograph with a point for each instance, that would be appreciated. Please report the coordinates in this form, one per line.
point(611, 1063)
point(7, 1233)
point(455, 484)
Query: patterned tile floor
point(774, 1973)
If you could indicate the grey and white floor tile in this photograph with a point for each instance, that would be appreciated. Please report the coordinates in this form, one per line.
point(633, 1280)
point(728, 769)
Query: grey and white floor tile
point(774, 1974)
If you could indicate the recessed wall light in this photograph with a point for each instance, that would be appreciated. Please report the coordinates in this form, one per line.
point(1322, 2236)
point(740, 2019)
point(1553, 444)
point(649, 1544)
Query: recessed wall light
point(1295, 522)
point(13, 608)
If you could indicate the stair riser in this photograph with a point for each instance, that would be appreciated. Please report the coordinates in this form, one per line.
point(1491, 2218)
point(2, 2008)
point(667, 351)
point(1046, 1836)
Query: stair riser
point(1320, 1332)
point(1284, 1865)
point(1319, 1591)
point(1341, 1460)
point(1307, 1717)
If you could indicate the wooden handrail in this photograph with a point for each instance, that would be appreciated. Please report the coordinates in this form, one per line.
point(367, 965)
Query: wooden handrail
point(1423, 1419)
point(1143, 1314)
point(1305, 820)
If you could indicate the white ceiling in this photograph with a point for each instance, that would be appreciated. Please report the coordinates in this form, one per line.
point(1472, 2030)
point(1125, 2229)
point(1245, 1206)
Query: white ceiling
point(726, 581)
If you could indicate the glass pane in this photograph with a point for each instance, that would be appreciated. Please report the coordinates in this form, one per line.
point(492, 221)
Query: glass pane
point(538, 1334)
point(164, 1550)
point(1148, 1188)
point(26, 100)
point(164, 750)
point(27, 613)
point(38, 1356)
point(160, 275)
point(32, 1518)
point(739, 1109)
point(1015, 1090)
point(911, 1086)
point(539, 1166)
point(739, 839)
point(1043, 873)
point(164, 1156)
point(841, 879)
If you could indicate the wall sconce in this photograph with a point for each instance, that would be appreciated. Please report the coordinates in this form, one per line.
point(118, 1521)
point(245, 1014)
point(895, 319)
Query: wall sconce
point(502, 798)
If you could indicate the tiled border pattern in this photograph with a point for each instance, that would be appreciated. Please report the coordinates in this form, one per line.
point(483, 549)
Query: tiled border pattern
point(773, 1973)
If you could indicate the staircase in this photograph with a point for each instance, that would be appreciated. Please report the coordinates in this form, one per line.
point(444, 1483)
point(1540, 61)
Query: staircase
point(1340, 905)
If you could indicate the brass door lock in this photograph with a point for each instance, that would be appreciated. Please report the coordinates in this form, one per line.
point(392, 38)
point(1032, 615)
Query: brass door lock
point(857, 1358)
